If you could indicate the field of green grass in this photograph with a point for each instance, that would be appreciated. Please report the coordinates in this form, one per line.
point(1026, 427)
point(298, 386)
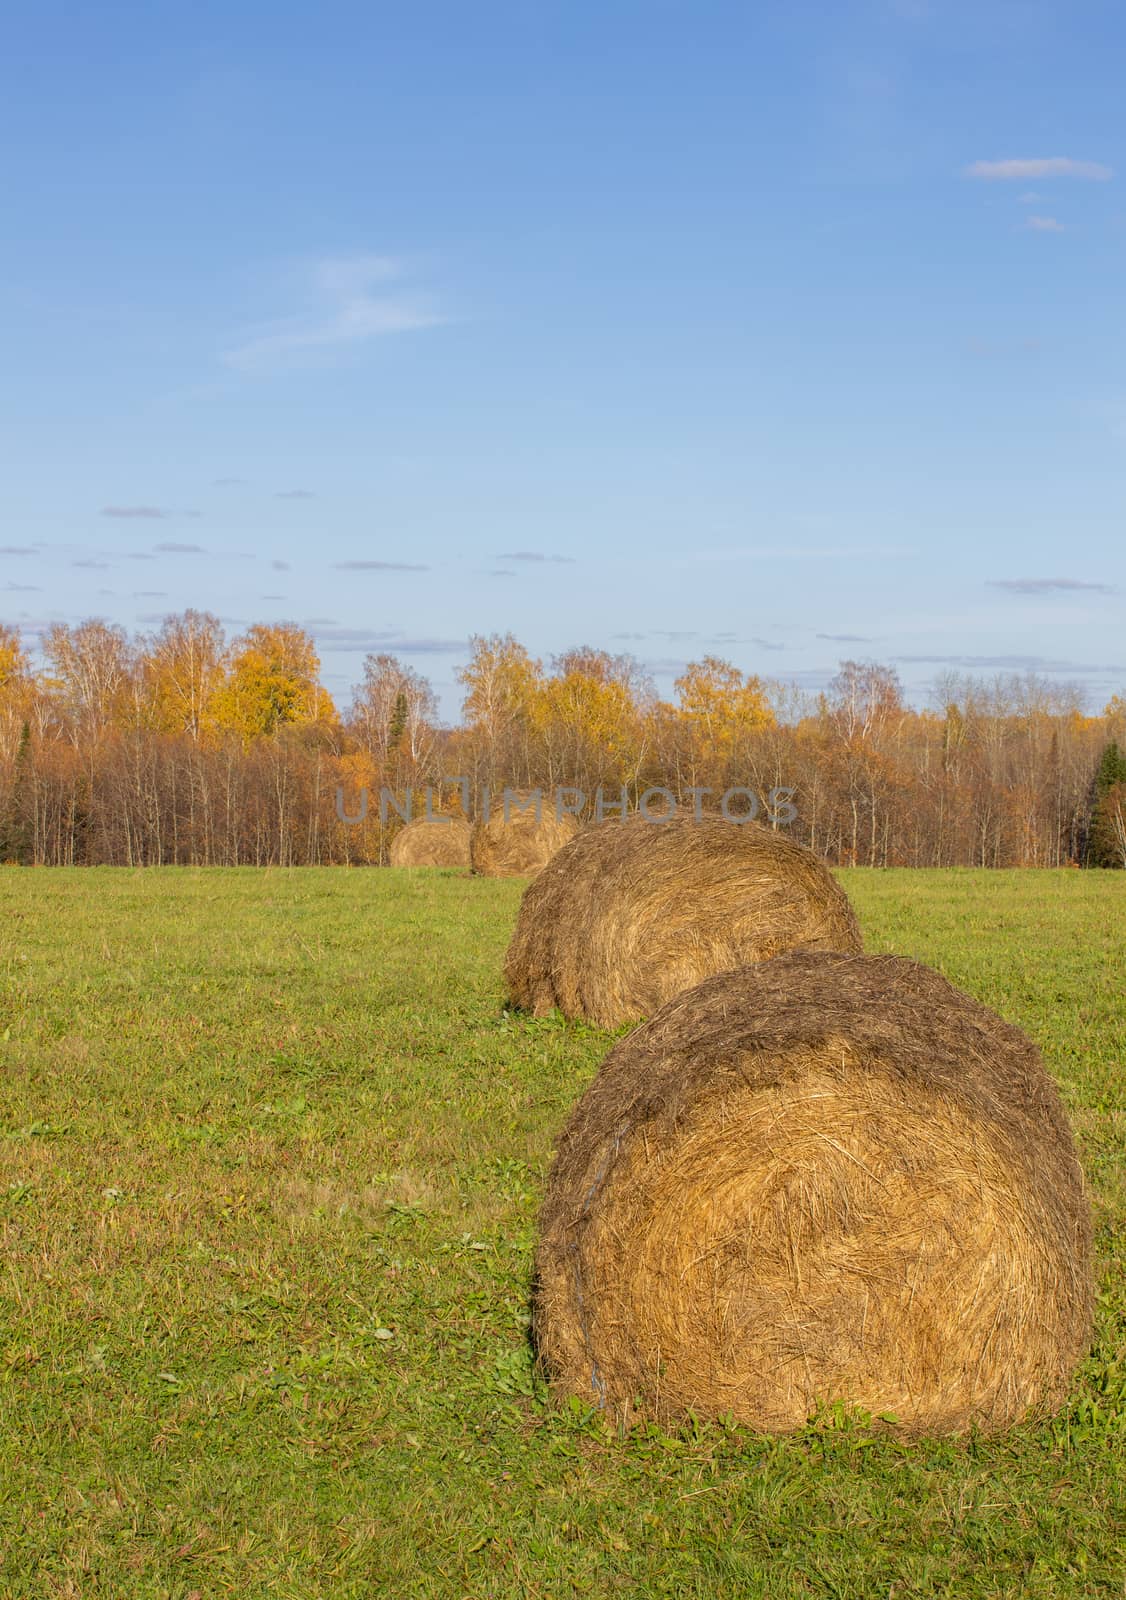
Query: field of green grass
point(271, 1155)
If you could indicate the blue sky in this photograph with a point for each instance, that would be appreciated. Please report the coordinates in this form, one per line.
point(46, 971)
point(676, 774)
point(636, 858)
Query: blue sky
point(787, 332)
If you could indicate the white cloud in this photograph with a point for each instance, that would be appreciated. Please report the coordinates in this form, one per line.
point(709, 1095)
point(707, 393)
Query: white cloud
point(1038, 167)
point(1044, 225)
point(354, 299)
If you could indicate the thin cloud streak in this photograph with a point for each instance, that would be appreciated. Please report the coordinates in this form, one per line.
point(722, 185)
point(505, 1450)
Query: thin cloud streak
point(536, 556)
point(1012, 663)
point(357, 299)
point(1024, 168)
point(1047, 585)
point(379, 566)
point(362, 639)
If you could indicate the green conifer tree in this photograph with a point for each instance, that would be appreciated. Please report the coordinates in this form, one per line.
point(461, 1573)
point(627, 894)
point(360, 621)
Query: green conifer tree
point(1104, 848)
point(15, 829)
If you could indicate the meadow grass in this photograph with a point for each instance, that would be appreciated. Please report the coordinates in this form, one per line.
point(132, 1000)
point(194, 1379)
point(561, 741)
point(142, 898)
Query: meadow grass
point(271, 1154)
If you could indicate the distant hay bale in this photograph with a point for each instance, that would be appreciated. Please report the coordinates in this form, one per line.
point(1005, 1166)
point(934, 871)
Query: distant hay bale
point(520, 845)
point(631, 913)
point(438, 843)
point(825, 1178)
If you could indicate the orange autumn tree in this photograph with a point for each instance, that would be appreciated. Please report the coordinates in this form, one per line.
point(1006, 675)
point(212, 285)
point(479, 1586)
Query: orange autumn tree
point(271, 682)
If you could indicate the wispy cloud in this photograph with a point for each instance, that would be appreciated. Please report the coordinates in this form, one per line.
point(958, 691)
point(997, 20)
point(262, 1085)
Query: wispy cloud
point(753, 638)
point(1045, 585)
point(96, 566)
point(1007, 663)
point(226, 483)
point(534, 556)
point(23, 588)
point(154, 513)
point(18, 550)
point(1044, 225)
point(379, 566)
point(846, 638)
point(150, 594)
point(172, 548)
point(280, 566)
point(1025, 167)
point(353, 300)
point(357, 639)
point(295, 494)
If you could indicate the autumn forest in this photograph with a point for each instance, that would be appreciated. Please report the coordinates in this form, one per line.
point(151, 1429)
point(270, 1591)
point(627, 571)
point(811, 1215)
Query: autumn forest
point(184, 747)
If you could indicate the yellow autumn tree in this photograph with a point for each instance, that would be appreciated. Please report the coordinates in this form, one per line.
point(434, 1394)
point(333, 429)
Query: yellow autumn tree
point(271, 682)
point(588, 718)
point(719, 704)
point(16, 691)
point(500, 681)
point(182, 667)
point(13, 657)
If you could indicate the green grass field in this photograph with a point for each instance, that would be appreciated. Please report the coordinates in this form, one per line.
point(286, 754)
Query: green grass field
point(270, 1160)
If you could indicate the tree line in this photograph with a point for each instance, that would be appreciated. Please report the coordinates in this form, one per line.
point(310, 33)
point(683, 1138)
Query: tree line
point(183, 747)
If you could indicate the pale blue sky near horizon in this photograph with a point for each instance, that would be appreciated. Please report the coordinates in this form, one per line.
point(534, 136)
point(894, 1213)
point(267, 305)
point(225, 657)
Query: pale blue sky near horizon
point(786, 333)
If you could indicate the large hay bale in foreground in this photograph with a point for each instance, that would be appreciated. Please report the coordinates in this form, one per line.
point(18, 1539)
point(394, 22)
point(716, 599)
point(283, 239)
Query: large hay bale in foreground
point(432, 843)
point(631, 913)
point(520, 844)
point(823, 1178)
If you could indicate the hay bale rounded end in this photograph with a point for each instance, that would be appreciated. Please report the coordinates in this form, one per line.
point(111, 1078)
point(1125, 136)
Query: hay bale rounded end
point(432, 842)
point(520, 837)
point(824, 1179)
point(631, 913)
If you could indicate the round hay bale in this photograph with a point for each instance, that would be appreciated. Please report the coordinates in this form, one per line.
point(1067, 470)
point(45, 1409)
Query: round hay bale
point(825, 1178)
point(519, 846)
point(439, 843)
point(631, 913)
